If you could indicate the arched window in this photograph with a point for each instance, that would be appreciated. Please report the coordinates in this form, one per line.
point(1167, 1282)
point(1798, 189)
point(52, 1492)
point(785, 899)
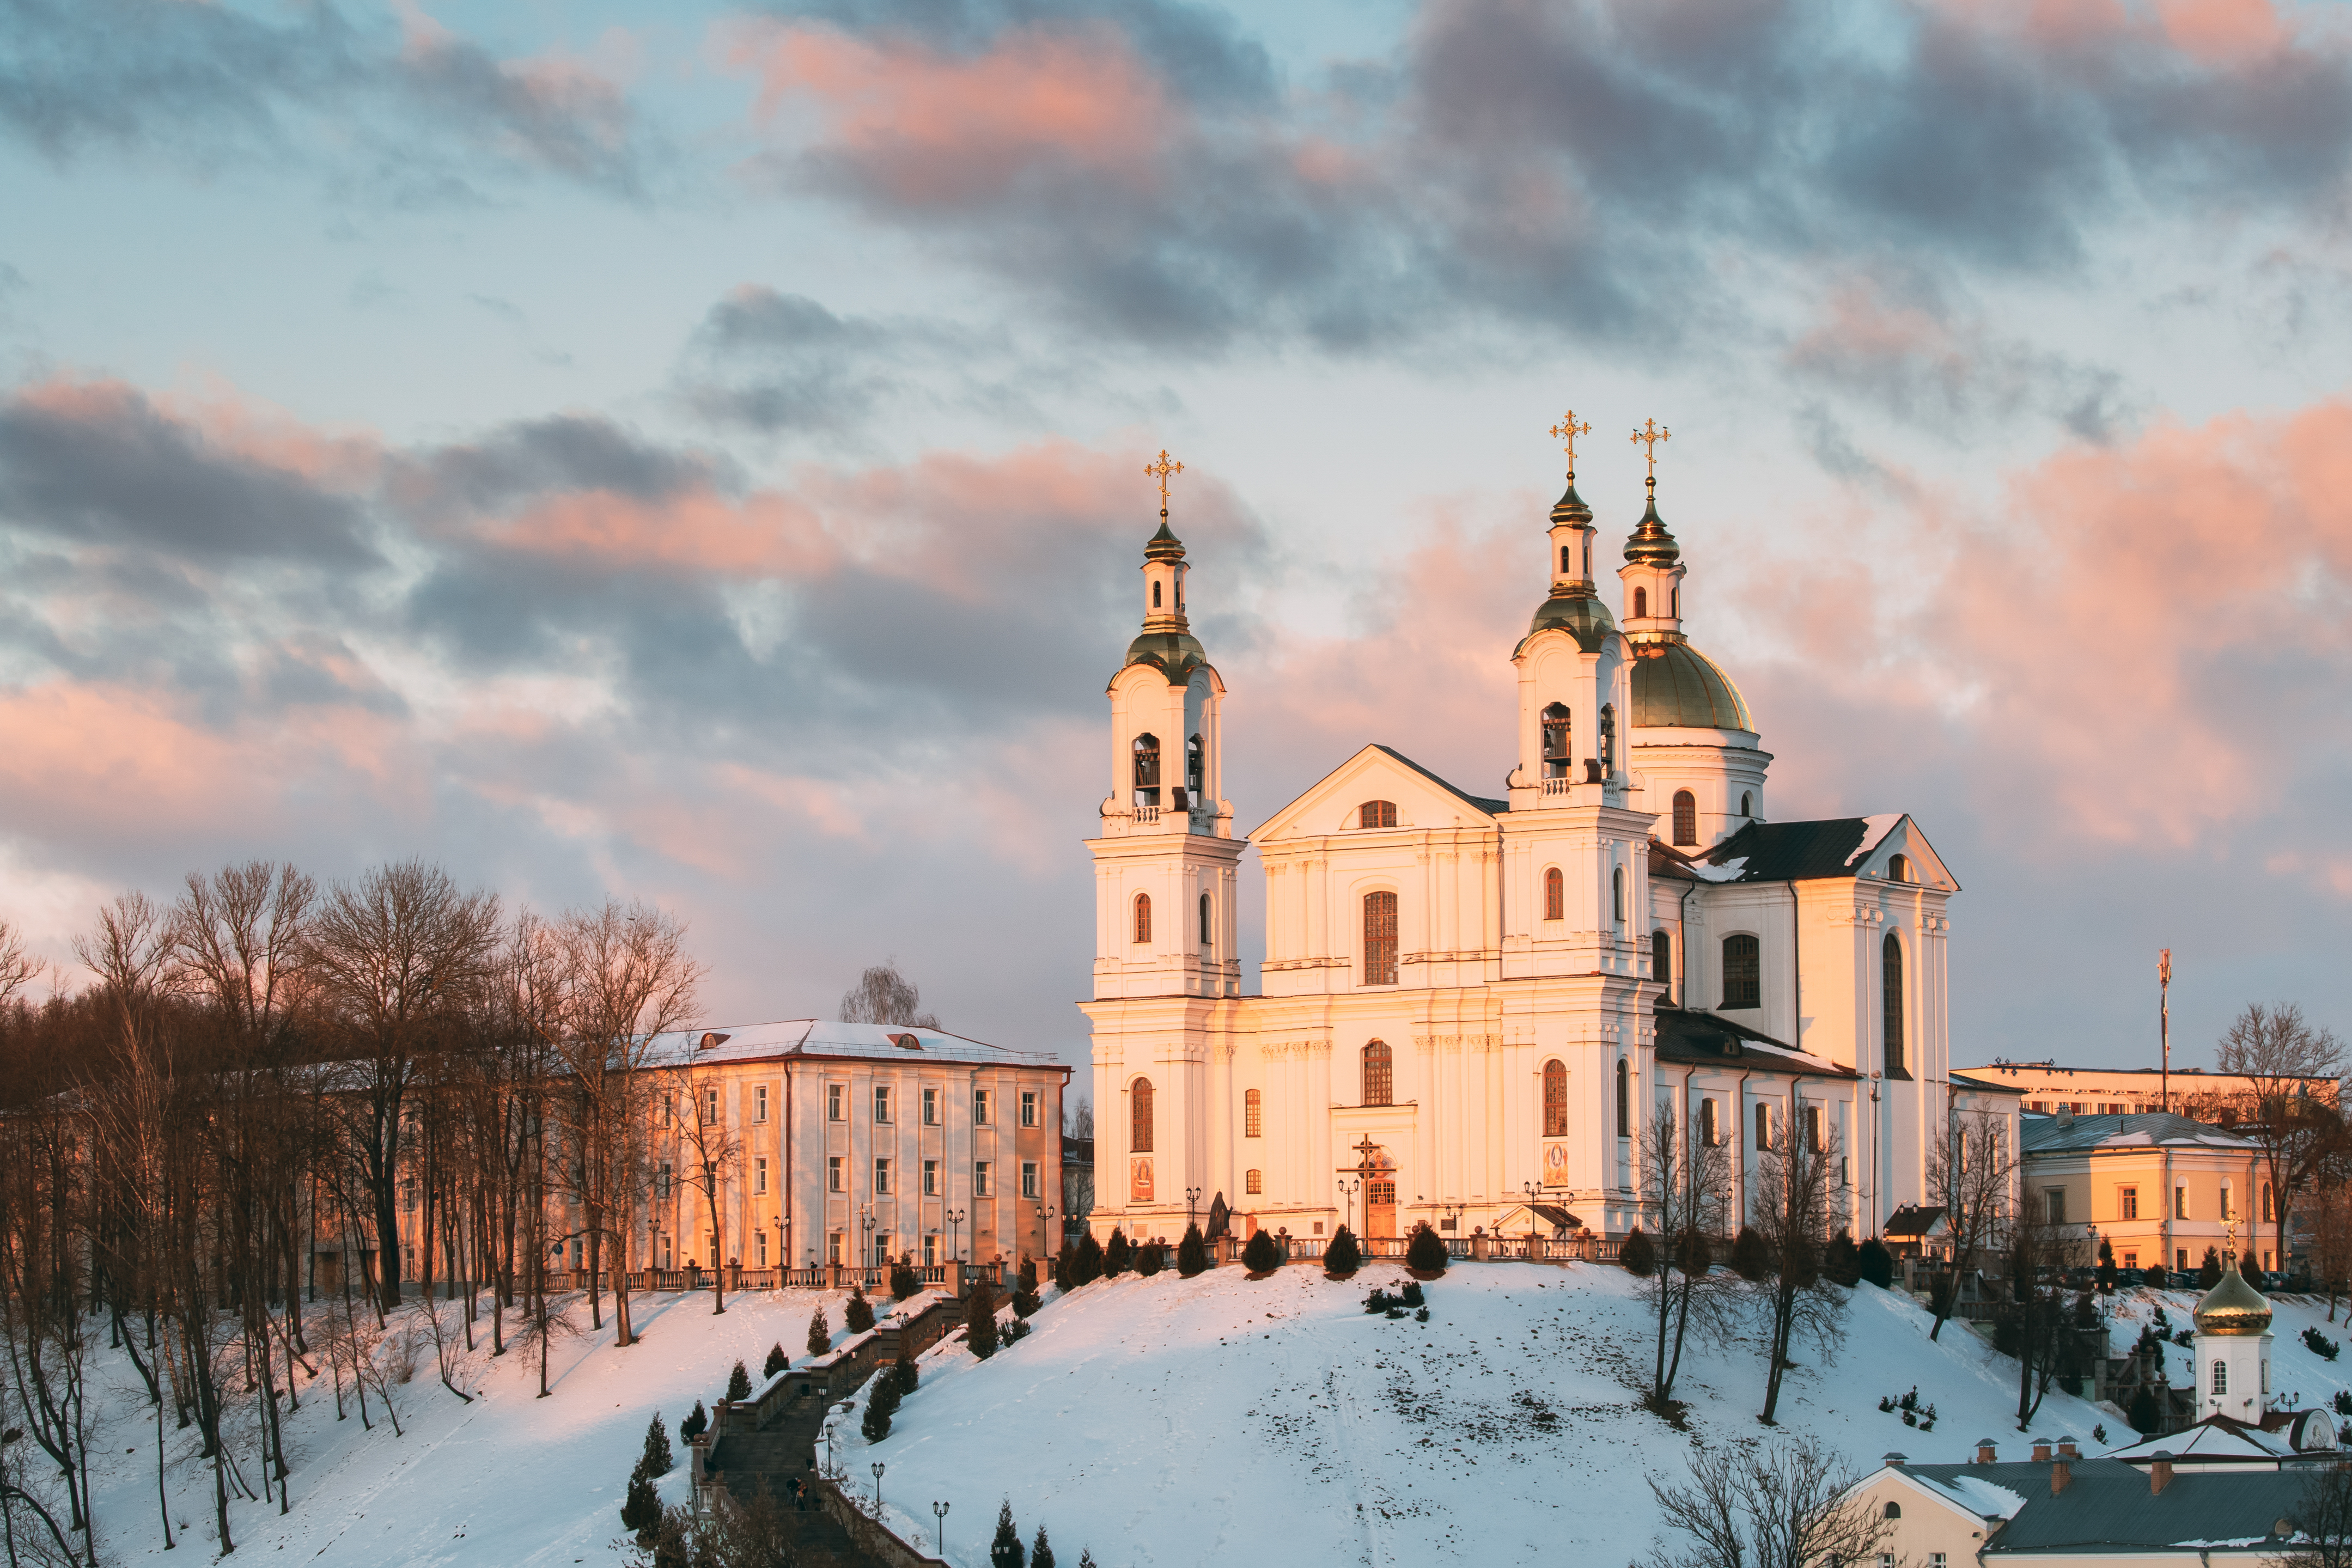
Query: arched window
point(1898, 868)
point(1617, 895)
point(1155, 596)
point(1380, 940)
point(1253, 1111)
point(1641, 604)
point(1196, 767)
point(1138, 1106)
point(1662, 962)
point(1555, 1091)
point(1254, 1183)
point(1380, 1074)
point(1555, 741)
point(1677, 609)
point(1376, 814)
point(1743, 979)
point(1566, 561)
point(1147, 770)
point(1143, 917)
point(1608, 741)
point(1552, 893)
point(1891, 984)
point(1892, 1510)
point(1206, 942)
point(1624, 1099)
point(2221, 1377)
point(1746, 804)
point(1686, 817)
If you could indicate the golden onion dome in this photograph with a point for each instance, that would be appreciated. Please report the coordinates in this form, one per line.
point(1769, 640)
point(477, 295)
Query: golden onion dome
point(1676, 686)
point(1577, 611)
point(1176, 654)
point(1651, 545)
point(2234, 1307)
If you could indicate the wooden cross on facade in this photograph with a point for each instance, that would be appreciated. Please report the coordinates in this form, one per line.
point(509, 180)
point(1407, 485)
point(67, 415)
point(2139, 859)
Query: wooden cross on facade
point(1649, 435)
point(1364, 1167)
point(1162, 469)
point(1567, 430)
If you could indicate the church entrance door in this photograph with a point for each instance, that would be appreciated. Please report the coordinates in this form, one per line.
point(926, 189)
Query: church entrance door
point(1380, 1208)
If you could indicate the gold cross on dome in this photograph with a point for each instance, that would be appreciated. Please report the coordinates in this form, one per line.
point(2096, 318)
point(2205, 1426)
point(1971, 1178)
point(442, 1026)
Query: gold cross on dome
point(1567, 430)
point(1161, 469)
point(1649, 435)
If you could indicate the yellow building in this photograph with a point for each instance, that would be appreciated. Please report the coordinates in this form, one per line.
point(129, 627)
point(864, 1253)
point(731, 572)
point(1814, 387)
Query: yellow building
point(2161, 1189)
point(2129, 1091)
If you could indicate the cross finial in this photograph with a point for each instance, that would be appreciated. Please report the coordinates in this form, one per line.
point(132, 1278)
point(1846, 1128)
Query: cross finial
point(1567, 430)
point(1162, 469)
point(1649, 435)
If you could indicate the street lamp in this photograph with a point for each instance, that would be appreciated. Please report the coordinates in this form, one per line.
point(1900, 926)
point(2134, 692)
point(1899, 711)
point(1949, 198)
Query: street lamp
point(1045, 1219)
point(1533, 1189)
point(955, 1218)
point(1191, 1201)
point(939, 1512)
point(866, 1242)
point(877, 1488)
point(1348, 1188)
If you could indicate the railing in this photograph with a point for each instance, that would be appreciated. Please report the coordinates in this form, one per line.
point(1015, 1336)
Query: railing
point(1558, 786)
point(1147, 816)
point(1586, 1247)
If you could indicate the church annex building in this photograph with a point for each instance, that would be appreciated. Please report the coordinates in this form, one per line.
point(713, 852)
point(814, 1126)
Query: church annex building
point(1466, 997)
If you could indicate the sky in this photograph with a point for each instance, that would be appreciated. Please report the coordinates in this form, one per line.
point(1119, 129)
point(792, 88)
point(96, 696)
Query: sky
point(694, 453)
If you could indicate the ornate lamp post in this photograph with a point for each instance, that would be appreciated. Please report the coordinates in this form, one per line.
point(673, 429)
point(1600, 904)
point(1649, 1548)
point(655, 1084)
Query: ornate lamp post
point(955, 1218)
point(1044, 1220)
point(1533, 1190)
point(866, 1241)
point(1348, 1188)
point(877, 1488)
point(939, 1512)
point(1192, 1202)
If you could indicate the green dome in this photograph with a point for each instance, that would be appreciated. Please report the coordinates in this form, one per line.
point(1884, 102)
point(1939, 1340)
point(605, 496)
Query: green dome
point(2234, 1307)
point(1580, 613)
point(1676, 686)
point(1176, 653)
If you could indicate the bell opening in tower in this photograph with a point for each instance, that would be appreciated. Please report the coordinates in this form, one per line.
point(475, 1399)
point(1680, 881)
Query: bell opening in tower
point(1195, 768)
point(1608, 741)
point(1147, 770)
point(1555, 741)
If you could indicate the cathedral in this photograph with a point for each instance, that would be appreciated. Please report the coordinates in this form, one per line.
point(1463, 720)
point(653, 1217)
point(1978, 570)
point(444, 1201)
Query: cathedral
point(1469, 1006)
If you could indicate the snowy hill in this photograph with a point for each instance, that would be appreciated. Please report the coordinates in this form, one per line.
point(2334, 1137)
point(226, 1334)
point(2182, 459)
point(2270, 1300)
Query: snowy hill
point(1171, 1421)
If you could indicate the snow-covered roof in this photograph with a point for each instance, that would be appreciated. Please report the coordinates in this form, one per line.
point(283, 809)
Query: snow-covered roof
point(829, 1039)
point(1985, 1499)
point(2079, 1134)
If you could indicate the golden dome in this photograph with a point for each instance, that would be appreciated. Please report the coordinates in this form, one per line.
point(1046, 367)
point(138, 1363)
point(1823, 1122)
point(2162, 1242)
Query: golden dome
point(1676, 686)
point(1578, 612)
point(2234, 1307)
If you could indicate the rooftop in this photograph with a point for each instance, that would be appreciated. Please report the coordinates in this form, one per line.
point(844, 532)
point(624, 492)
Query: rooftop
point(832, 1040)
point(2108, 1504)
point(2155, 1129)
point(1795, 852)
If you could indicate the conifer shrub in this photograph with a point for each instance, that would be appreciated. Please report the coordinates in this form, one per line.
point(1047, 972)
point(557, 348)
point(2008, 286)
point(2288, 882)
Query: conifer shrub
point(1086, 1266)
point(1411, 1295)
point(2154, 1279)
point(1025, 1303)
point(2106, 1267)
point(1263, 1255)
point(1192, 1256)
point(697, 1423)
point(1064, 1265)
point(820, 1334)
point(1878, 1264)
point(658, 1460)
point(777, 1360)
point(1842, 1260)
point(980, 1323)
point(641, 1509)
point(2208, 1272)
point(1343, 1257)
point(1028, 1275)
point(903, 1369)
point(858, 1316)
point(1085, 1557)
point(1119, 1255)
point(1749, 1259)
point(1692, 1253)
point(739, 1384)
point(1149, 1259)
point(1637, 1256)
point(2320, 1345)
point(903, 1281)
point(881, 1403)
point(2144, 1418)
point(1015, 1331)
point(1424, 1250)
point(1004, 1549)
point(1041, 1553)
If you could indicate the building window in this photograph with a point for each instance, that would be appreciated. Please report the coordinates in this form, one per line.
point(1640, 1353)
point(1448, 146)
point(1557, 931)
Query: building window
point(760, 1102)
point(1892, 1510)
point(1196, 768)
point(710, 1107)
point(2128, 1203)
point(2270, 1210)
point(2221, 1377)
point(980, 1107)
point(1554, 891)
point(1147, 770)
point(1376, 814)
point(1686, 817)
point(1764, 1126)
point(1555, 741)
point(1205, 941)
point(1029, 1179)
point(1379, 938)
point(1743, 980)
point(1746, 804)
point(1143, 917)
point(833, 1174)
point(931, 1179)
point(661, 1181)
point(1380, 1074)
point(1028, 1107)
point(1555, 1100)
point(930, 1107)
point(1254, 1183)
point(2054, 1205)
point(1814, 1128)
point(1617, 895)
point(980, 1178)
point(931, 1250)
point(1708, 1133)
point(760, 1174)
point(834, 1246)
point(759, 1248)
point(1608, 741)
point(881, 1249)
point(2180, 1205)
point(1253, 1108)
point(836, 1094)
point(1624, 1099)
point(668, 1113)
point(2181, 1261)
point(1139, 1102)
point(881, 1101)
point(1661, 963)
point(2227, 1211)
point(881, 1176)
point(1641, 604)
point(1891, 987)
point(1898, 868)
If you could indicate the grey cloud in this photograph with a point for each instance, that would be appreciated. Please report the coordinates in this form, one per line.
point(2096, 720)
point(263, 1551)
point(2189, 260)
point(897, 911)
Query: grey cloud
point(773, 362)
point(532, 457)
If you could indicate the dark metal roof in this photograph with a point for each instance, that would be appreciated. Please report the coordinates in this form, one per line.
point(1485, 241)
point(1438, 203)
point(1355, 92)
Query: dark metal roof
point(1700, 1038)
point(2107, 1504)
point(1912, 1221)
point(1793, 852)
point(1492, 808)
point(1980, 1086)
point(2074, 1134)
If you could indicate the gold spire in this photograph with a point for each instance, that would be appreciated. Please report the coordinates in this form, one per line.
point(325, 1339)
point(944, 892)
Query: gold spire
point(1649, 435)
point(1162, 470)
point(1567, 430)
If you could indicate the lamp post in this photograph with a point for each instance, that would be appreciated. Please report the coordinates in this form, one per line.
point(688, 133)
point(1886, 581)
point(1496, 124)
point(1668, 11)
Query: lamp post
point(1044, 1220)
point(939, 1512)
point(866, 1241)
point(1348, 1188)
point(878, 1489)
point(1192, 1202)
point(955, 1218)
point(1533, 1190)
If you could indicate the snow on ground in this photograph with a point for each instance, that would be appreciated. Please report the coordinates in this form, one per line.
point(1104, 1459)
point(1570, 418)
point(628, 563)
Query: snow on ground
point(508, 1480)
point(1222, 1419)
point(2300, 1377)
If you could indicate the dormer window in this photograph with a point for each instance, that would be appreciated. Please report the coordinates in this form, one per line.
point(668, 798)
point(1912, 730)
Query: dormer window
point(1147, 770)
point(1641, 604)
point(1376, 814)
point(1555, 741)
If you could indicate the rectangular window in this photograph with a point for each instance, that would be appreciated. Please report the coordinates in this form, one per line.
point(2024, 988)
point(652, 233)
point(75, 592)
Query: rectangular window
point(980, 1178)
point(931, 1179)
point(1251, 1124)
point(760, 1102)
point(709, 1106)
point(980, 1107)
point(881, 1176)
point(661, 1181)
point(2054, 1205)
point(833, 1174)
point(1743, 972)
point(881, 1101)
point(2128, 1203)
point(1708, 1133)
point(2181, 1261)
point(1379, 938)
point(1029, 1179)
point(2180, 1205)
point(835, 1096)
point(2131, 1259)
point(1845, 1170)
point(759, 1248)
point(1254, 1183)
point(881, 1249)
point(1814, 1128)
point(1764, 1126)
point(2227, 1212)
point(834, 1246)
point(666, 1110)
point(760, 1174)
point(930, 1107)
point(1028, 1107)
point(931, 1250)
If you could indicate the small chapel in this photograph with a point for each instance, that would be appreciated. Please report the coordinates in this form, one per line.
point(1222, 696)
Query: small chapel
point(1470, 1005)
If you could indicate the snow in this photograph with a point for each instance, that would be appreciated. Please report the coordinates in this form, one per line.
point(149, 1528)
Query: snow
point(1729, 871)
point(1169, 1421)
point(1983, 1497)
point(2300, 1377)
point(1873, 834)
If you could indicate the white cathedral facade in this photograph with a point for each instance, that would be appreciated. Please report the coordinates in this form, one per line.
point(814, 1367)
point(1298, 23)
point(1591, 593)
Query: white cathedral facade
point(1470, 1005)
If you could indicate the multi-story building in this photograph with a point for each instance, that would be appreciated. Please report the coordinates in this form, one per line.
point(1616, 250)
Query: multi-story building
point(2049, 1088)
point(2160, 1189)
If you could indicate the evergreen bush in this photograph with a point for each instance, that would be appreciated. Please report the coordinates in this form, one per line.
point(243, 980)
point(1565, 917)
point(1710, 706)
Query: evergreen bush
point(2106, 1267)
point(2344, 1402)
point(2319, 1344)
point(820, 1334)
point(903, 1369)
point(2208, 1272)
point(1342, 1258)
point(2144, 1416)
point(858, 1316)
point(1118, 1255)
point(1639, 1257)
point(777, 1360)
point(1028, 1275)
point(1411, 1295)
point(1025, 1303)
point(1878, 1264)
point(1749, 1259)
point(1004, 1551)
point(1015, 1331)
point(695, 1424)
point(2154, 1279)
point(876, 1422)
point(1262, 1254)
point(1149, 1260)
point(1041, 1554)
point(658, 1460)
point(904, 1281)
point(1191, 1254)
point(641, 1509)
point(980, 1323)
point(739, 1384)
point(1086, 1267)
point(1842, 1261)
point(1693, 1255)
point(1425, 1249)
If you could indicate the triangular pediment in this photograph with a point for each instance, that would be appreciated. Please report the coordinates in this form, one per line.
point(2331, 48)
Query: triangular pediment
point(1902, 837)
point(1334, 804)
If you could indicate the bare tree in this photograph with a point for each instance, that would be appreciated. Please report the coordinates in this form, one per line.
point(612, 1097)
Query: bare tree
point(2034, 1325)
point(1971, 1170)
point(2280, 1053)
point(883, 995)
point(715, 1157)
point(1786, 1506)
point(2330, 1255)
point(19, 969)
point(1686, 1187)
point(2323, 1522)
point(1790, 1211)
